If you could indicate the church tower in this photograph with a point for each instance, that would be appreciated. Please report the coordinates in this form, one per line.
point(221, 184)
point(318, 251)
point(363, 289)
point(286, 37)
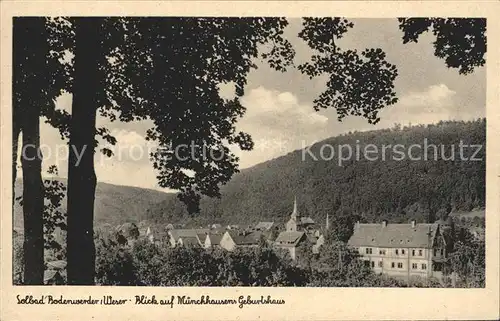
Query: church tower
point(291, 225)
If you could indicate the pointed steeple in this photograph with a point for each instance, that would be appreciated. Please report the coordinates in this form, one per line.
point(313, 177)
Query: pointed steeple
point(294, 213)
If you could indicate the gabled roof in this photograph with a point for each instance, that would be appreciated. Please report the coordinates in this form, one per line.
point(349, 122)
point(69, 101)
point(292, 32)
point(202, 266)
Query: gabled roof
point(176, 233)
point(394, 235)
point(289, 238)
point(201, 236)
point(251, 238)
point(215, 239)
point(264, 226)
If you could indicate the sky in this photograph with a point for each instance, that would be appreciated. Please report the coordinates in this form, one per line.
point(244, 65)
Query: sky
point(280, 115)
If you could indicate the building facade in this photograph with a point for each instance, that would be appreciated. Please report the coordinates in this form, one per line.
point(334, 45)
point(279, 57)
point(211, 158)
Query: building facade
point(401, 250)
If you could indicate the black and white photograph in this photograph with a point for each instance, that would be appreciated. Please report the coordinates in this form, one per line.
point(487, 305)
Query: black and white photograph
point(222, 151)
point(263, 151)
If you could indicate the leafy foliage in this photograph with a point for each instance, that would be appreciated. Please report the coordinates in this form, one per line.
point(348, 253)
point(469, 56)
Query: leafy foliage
point(461, 42)
point(180, 88)
point(359, 84)
point(54, 216)
point(341, 227)
point(148, 264)
point(152, 265)
point(468, 260)
point(17, 260)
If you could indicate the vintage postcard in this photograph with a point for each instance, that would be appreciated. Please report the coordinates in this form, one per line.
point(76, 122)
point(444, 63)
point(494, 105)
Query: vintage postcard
point(250, 160)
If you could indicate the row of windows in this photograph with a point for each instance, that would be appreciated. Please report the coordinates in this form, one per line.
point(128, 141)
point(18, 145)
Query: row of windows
point(369, 250)
point(414, 266)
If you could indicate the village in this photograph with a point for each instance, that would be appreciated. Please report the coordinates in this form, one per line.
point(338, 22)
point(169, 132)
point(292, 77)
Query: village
point(400, 251)
point(298, 230)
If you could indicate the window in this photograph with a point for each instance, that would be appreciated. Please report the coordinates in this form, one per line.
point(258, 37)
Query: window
point(420, 252)
point(381, 252)
point(397, 251)
point(380, 264)
point(400, 265)
point(373, 264)
point(435, 252)
point(412, 252)
point(368, 250)
point(424, 266)
point(403, 252)
point(442, 252)
point(393, 265)
point(414, 266)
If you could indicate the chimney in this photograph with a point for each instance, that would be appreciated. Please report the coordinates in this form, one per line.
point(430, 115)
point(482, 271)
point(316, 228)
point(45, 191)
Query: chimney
point(384, 223)
point(413, 223)
point(357, 225)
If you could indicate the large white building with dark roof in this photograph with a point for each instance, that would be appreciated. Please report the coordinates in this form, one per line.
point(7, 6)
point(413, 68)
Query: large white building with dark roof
point(401, 250)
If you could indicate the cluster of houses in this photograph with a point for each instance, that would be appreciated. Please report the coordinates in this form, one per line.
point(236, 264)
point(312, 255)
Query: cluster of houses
point(397, 250)
point(298, 229)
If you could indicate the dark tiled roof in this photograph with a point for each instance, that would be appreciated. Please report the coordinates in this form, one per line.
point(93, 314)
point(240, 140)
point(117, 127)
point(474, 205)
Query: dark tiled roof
point(245, 239)
point(215, 239)
point(289, 238)
point(176, 233)
point(393, 235)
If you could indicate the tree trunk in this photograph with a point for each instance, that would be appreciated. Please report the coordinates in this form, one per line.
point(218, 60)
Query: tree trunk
point(81, 174)
point(33, 199)
point(30, 79)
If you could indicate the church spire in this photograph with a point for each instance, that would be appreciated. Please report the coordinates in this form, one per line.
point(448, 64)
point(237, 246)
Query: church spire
point(294, 213)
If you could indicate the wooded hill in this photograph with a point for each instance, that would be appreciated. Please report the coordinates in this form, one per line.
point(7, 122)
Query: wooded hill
point(376, 190)
point(114, 204)
point(397, 190)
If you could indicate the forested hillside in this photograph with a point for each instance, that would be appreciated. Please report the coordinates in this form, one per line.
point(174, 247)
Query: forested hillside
point(392, 189)
point(114, 204)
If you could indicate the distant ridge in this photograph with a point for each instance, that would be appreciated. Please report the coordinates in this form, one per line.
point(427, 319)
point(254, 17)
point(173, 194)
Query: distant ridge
point(377, 190)
point(114, 204)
